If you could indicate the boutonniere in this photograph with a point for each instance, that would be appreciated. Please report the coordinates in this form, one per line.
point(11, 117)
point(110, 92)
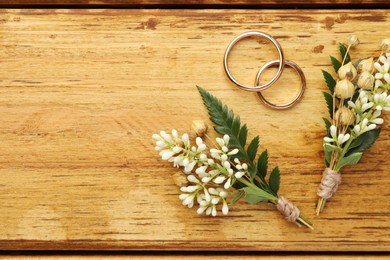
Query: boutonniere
point(220, 172)
point(356, 100)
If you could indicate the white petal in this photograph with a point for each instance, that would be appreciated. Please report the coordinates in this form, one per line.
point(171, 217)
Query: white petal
point(219, 179)
point(245, 166)
point(364, 122)
point(192, 188)
point(226, 139)
point(239, 175)
point(214, 212)
point(192, 178)
point(201, 210)
point(386, 67)
point(378, 75)
point(203, 157)
point(166, 155)
point(215, 201)
point(378, 121)
point(328, 140)
point(224, 157)
point(175, 134)
point(156, 137)
point(190, 167)
point(176, 149)
point(228, 183)
point(346, 138)
point(233, 152)
point(223, 194)
point(383, 59)
point(201, 148)
point(378, 66)
point(183, 196)
point(356, 129)
point(378, 107)
point(206, 179)
point(161, 144)
point(351, 104)
point(225, 149)
point(387, 77)
point(208, 211)
point(185, 138)
point(226, 164)
point(371, 127)
point(188, 200)
point(333, 130)
point(220, 141)
point(225, 208)
point(340, 138)
point(199, 141)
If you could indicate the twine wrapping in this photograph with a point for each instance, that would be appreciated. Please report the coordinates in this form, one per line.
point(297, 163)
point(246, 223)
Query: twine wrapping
point(289, 211)
point(329, 183)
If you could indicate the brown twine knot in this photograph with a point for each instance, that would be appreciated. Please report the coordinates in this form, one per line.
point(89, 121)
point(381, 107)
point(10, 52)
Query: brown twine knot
point(329, 183)
point(289, 211)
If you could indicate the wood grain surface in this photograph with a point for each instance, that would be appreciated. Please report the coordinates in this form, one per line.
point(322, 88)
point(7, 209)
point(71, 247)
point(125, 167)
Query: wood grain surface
point(199, 3)
point(82, 91)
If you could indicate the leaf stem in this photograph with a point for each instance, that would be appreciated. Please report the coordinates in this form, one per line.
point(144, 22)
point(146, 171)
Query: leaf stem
point(270, 197)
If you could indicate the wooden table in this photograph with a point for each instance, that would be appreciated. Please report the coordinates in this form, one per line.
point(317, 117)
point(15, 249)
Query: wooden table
point(83, 90)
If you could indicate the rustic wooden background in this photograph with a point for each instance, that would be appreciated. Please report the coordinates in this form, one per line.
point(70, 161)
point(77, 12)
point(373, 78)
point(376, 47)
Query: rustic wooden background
point(82, 91)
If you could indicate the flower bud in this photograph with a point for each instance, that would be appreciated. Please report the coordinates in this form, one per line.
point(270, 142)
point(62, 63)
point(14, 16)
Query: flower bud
point(347, 71)
point(366, 80)
point(344, 89)
point(385, 45)
point(352, 40)
point(179, 179)
point(199, 127)
point(366, 65)
point(344, 116)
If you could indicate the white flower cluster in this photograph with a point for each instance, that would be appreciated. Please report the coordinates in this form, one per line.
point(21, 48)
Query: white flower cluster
point(368, 106)
point(210, 175)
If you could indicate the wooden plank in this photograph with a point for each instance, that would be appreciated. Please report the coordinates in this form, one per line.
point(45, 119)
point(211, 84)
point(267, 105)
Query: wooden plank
point(82, 91)
point(199, 257)
point(275, 3)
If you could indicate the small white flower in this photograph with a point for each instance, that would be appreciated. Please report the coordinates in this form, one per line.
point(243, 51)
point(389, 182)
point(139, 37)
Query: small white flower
point(333, 130)
point(225, 208)
point(378, 121)
point(239, 175)
point(328, 140)
point(356, 129)
point(192, 178)
point(219, 179)
point(228, 183)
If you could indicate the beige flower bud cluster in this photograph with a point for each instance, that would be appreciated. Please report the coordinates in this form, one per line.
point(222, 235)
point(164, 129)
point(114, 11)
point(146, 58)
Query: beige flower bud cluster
point(345, 116)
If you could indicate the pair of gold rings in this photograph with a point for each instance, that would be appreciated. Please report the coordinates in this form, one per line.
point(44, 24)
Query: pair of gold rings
point(281, 62)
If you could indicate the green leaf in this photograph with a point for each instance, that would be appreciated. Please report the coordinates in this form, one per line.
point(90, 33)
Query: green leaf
point(252, 171)
point(328, 124)
point(252, 148)
point(331, 148)
point(243, 135)
point(259, 193)
point(336, 64)
point(236, 126)
point(237, 197)
point(225, 122)
point(330, 82)
point(329, 102)
point(274, 180)
point(343, 51)
point(363, 142)
point(349, 160)
point(253, 199)
point(327, 158)
point(262, 165)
